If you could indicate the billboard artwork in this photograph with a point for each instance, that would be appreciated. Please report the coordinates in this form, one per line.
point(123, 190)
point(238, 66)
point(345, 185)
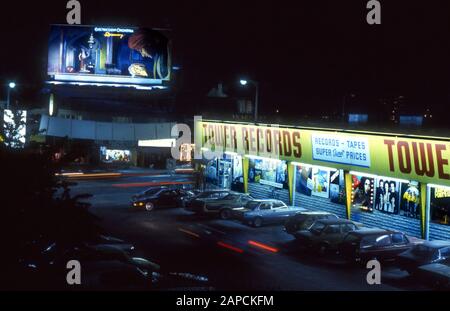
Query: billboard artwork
point(111, 155)
point(108, 55)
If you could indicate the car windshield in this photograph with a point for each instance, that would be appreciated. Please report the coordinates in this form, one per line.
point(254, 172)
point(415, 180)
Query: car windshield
point(332, 229)
point(317, 227)
point(425, 251)
point(231, 197)
point(252, 205)
point(152, 191)
point(205, 195)
point(279, 204)
point(380, 241)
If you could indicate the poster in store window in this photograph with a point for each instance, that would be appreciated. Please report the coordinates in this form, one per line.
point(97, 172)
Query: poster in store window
point(237, 167)
point(321, 185)
point(410, 200)
point(268, 172)
point(304, 182)
point(337, 187)
point(363, 193)
point(387, 195)
point(440, 205)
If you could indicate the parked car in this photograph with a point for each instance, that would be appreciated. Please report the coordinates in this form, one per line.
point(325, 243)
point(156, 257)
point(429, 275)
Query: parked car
point(373, 243)
point(304, 220)
point(325, 235)
point(422, 254)
point(189, 196)
point(222, 206)
point(159, 197)
point(261, 212)
point(101, 240)
point(436, 275)
point(193, 203)
point(105, 267)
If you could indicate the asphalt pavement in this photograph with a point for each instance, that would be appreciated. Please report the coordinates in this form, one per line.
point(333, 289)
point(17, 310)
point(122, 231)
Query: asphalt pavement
point(232, 255)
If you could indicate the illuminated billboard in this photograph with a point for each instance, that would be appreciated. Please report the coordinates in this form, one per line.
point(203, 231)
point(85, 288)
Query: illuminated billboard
point(117, 56)
point(113, 155)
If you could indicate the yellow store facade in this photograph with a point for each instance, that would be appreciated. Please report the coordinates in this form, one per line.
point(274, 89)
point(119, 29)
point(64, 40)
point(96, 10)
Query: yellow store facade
point(392, 181)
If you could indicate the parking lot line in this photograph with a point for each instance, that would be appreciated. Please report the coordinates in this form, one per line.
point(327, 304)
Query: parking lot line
point(210, 228)
point(189, 232)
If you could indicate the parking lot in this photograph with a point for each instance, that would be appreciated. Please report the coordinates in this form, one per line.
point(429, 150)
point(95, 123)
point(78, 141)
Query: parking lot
point(232, 255)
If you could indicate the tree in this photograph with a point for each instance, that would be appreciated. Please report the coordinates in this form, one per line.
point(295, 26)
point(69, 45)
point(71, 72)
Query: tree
point(14, 127)
point(32, 208)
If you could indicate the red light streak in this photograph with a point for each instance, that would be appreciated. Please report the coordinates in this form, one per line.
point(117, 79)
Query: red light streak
point(230, 247)
point(263, 246)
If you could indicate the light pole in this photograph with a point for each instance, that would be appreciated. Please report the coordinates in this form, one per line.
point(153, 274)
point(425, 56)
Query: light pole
point(11, 86)
point(256, 84)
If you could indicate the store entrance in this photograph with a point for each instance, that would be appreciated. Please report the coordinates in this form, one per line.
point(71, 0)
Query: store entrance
point(225, 173)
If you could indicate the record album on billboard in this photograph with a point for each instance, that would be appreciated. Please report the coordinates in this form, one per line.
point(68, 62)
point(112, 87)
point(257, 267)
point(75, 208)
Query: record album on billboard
point(118, 56)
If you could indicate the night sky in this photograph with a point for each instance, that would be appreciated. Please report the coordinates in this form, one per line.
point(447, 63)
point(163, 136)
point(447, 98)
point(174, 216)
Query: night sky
point(305, 54)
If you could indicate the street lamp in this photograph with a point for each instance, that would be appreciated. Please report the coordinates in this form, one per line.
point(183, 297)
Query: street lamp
point(244, 82)
point(11, 86)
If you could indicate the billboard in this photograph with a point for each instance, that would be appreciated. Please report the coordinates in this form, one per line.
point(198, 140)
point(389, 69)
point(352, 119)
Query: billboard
point(118, 56)
point(114, 156)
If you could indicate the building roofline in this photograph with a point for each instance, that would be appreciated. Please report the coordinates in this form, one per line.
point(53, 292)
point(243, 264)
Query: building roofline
point(340, 130)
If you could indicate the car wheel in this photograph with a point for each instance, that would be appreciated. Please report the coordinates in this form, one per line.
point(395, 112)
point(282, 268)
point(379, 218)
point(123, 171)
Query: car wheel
point(225, 214)
point(257, 222)
point(149, 206)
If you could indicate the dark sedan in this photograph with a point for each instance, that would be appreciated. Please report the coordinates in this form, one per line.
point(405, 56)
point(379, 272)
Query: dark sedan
point(366, 244)
point(223, 206)
point(425, 253)
point(159, 197)
point(304, 220)
point(260, 212)
point(196, 202)
point(106, 267)
point(325, 235)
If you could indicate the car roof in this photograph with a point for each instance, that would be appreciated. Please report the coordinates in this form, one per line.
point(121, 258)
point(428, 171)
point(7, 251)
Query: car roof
point(215, 191)
point(156, 187)
point(436, 243)
point(306, 212)
point(266, 200)
point(372, 231)
point(335, 221)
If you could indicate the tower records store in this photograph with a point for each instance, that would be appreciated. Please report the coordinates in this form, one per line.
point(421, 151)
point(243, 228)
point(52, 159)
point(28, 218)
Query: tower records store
point(378, 179)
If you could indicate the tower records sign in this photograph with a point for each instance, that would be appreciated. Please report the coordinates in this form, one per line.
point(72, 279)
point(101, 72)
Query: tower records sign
point(423, 160)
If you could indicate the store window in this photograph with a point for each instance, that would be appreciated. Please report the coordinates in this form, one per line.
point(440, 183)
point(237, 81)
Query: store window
point(386, 195)
point(440, 205)
point(237, 174)
point(268, 172)
point(320, 182)
point(226, 172)
point(114, 156)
